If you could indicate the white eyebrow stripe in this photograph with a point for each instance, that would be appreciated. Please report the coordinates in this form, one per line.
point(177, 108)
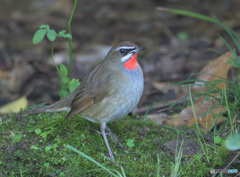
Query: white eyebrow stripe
point(124, 47)
point(125, 58)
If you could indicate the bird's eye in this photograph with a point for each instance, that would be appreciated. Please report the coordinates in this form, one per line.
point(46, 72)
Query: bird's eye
point(123, 51)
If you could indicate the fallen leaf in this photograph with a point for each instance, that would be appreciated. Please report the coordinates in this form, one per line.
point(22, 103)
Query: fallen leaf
point(163, 87)
point(206, 123)
point(14, 106)
point(158, 118)
point(215, 70)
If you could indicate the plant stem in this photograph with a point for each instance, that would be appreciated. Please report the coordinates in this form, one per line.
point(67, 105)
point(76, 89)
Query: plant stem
point(53, 60)
point(228, 109)
point(70, 59)
point(70, 41)
point(194, 113)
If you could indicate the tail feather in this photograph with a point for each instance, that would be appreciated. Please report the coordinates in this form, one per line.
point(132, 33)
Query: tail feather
point(61, 105)
point(52, 108)
point(56, 107)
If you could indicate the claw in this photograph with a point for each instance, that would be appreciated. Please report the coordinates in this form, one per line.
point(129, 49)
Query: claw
point(114, 138)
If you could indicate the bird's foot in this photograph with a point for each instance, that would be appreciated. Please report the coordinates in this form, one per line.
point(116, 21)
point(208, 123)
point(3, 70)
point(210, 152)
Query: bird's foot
point(113, 138)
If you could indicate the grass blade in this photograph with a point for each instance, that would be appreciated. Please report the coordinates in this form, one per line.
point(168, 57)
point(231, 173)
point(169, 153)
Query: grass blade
point(188, 13)
point(90, 159)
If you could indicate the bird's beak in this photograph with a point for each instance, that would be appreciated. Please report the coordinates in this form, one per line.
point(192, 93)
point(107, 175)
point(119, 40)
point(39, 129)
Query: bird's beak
point(141, 48)
point(138, 49)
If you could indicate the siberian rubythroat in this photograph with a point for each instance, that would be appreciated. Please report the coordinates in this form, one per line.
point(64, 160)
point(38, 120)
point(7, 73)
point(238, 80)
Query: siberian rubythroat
point(109, 92)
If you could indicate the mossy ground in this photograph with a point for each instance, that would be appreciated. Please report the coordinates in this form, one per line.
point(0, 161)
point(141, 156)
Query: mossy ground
point(34, 146)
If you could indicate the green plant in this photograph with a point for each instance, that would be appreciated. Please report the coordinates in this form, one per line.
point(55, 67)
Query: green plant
point(67, 85)
point(16, 137)
point(42, 134)
point(158, 165)
point(178, 158)
point(130, 143)
point(97, 163)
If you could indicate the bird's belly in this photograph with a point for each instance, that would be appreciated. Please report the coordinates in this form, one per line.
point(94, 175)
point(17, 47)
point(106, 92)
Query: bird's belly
point(116, 106)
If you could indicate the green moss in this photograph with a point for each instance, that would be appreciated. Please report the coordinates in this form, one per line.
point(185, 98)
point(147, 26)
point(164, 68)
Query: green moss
point(34, 146)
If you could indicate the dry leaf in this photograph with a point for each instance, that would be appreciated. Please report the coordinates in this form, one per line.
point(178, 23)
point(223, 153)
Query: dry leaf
point(14, 106)
point(158, 118)
point(213, 71)
point(163, 87)
point(205, 123)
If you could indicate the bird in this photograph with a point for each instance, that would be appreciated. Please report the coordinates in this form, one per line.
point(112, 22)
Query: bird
point(109, 92)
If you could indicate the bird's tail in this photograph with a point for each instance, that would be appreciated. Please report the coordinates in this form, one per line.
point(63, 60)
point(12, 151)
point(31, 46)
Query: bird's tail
point(61, 105)
point(55, 107)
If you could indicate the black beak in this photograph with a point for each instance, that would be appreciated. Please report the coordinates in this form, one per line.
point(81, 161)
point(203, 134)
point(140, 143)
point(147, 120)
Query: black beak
point(138, 49)
point(141, 48)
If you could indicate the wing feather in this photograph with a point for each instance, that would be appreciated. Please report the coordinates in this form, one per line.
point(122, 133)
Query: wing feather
point(92, 90)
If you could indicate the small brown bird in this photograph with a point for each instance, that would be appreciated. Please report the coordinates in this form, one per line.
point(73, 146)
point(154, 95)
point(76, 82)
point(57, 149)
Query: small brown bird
point(108, 93)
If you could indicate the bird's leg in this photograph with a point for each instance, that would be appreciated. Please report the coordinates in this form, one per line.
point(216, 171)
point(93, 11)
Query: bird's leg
point(103, 127)
point(114, 138)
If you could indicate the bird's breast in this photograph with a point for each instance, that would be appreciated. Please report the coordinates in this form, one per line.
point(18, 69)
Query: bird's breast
point(124, 95)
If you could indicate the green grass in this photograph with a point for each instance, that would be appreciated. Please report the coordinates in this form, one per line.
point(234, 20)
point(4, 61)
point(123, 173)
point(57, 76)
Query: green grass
point(38, 145)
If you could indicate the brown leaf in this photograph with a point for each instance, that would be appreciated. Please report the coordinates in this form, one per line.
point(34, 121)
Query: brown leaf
point(158, 118)
point(205, 123)
point(213, 71)
point(163, 87)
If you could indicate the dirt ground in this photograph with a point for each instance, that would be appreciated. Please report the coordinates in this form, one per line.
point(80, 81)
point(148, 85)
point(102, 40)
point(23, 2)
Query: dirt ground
point(176, 45)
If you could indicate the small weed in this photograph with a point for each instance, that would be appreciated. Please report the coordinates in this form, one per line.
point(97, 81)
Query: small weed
point(16, 137)
point(68, 85)
point(130, 143)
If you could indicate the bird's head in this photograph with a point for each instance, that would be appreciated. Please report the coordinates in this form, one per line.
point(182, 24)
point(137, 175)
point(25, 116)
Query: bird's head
point(124, 53)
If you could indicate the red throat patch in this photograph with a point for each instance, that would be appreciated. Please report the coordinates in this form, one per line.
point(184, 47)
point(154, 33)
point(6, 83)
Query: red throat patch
point(132, 63)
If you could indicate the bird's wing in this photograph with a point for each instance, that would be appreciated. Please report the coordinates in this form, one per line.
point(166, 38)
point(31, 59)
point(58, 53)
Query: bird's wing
point(92, 90)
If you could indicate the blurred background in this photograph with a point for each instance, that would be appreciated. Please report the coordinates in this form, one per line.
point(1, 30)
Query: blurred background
point(177, 46)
